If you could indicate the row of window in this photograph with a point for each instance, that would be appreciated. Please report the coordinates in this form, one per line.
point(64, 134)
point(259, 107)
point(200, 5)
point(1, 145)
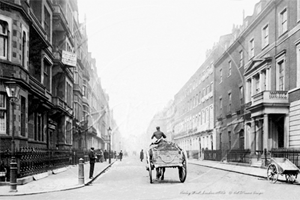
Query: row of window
point(230, 64)
point(238, 141)
point(34, 118)
point(5, 41)
point(206, 142)
point(261, 80)
point(229, 100)
point(258, 82)
point(196, 143)
point(36, 122)
point(5, 49)
point(202, 120)
point(265, 42)
point(200, 97)
point(204, 75)
point(282, 28)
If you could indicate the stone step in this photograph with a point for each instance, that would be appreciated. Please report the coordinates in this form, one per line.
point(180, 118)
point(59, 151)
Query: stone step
point(256, 163)
point(255, 160)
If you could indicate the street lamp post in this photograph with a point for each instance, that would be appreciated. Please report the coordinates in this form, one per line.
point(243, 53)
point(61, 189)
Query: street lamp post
point(12, 92)
point(109, 148)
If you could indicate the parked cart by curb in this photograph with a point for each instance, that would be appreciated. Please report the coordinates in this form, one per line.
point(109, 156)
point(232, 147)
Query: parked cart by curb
point(283, 167)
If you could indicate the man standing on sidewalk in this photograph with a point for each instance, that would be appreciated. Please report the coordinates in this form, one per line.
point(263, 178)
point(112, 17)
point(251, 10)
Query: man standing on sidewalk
point(121, 155)
point(92, 158)
point(105, 155)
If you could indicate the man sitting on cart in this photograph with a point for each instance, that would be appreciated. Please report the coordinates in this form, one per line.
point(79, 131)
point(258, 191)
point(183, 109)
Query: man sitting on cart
point(158, 135)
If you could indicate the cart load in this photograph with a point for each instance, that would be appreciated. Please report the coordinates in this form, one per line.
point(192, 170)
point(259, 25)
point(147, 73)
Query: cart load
point(166, 154)
point(165, 145)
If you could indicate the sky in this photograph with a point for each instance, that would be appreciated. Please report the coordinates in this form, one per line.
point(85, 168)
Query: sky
point(146, 50)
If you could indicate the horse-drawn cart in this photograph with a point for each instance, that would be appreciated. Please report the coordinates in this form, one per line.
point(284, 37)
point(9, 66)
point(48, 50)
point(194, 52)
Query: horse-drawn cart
point(282, 166)
point(163, 155)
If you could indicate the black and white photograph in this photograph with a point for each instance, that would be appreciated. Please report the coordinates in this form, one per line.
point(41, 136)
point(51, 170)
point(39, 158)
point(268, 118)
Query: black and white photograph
point(149, 99)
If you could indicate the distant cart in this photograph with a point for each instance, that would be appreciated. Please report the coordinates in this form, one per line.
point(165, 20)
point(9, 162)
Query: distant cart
point(166, 155)
point(284, 167)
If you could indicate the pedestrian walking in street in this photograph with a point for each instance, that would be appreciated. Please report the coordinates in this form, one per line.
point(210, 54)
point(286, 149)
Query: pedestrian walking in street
point(92, 158)
point(105, 155)
point(121, 155)
point(142, 155)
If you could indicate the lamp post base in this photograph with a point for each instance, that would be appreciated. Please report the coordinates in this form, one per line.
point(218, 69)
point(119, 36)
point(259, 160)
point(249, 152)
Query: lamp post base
point(13, 190)
point(13, 175)
point(109, 158)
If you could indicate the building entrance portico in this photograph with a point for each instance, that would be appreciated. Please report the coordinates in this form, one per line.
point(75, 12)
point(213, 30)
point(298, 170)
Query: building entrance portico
point(268, 106)
point(267, 128)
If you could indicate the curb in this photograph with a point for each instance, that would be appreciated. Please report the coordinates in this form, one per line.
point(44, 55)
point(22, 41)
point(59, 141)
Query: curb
point(56, 171)
point(61, 189)
point(28, 179)
point(244, 173)
point(91, 181)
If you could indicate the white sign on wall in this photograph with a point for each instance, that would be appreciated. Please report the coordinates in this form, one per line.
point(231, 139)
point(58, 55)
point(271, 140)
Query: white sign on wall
point(69, 58)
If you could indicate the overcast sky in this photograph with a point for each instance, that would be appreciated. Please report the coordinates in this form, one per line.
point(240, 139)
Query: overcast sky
point(146, 50)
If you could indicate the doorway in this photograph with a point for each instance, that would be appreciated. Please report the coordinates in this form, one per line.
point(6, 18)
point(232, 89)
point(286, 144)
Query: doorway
point(277, 130)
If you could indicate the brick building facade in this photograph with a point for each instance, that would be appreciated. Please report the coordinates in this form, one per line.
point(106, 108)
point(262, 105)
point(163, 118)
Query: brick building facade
point(44, 53)
point(255, 78)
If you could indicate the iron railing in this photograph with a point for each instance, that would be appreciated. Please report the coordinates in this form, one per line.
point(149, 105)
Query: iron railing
point(233, 155)
point(238, 155)
point(33, 161)
point(215, 155)
point(292, 154)
point(243, 155)
point(192, 154)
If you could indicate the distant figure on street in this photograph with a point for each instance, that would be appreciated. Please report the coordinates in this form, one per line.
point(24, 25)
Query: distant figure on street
point(121, 155)
point(105, 155)
point(92, 158)
point(115, 155)
point(158, 135)
point(101, 155)
point(142, 155)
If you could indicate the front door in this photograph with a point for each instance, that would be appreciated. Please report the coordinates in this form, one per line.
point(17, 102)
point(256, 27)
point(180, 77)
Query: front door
point(50, 142)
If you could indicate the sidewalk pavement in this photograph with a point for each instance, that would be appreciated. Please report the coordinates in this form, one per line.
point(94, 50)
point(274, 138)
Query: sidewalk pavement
point(238, 168)
point(56, 180)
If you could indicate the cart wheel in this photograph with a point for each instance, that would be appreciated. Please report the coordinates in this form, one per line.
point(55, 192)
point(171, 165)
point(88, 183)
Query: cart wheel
point(290, 178)
point(272, 173)
point(149, 167)
point(183, 170)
